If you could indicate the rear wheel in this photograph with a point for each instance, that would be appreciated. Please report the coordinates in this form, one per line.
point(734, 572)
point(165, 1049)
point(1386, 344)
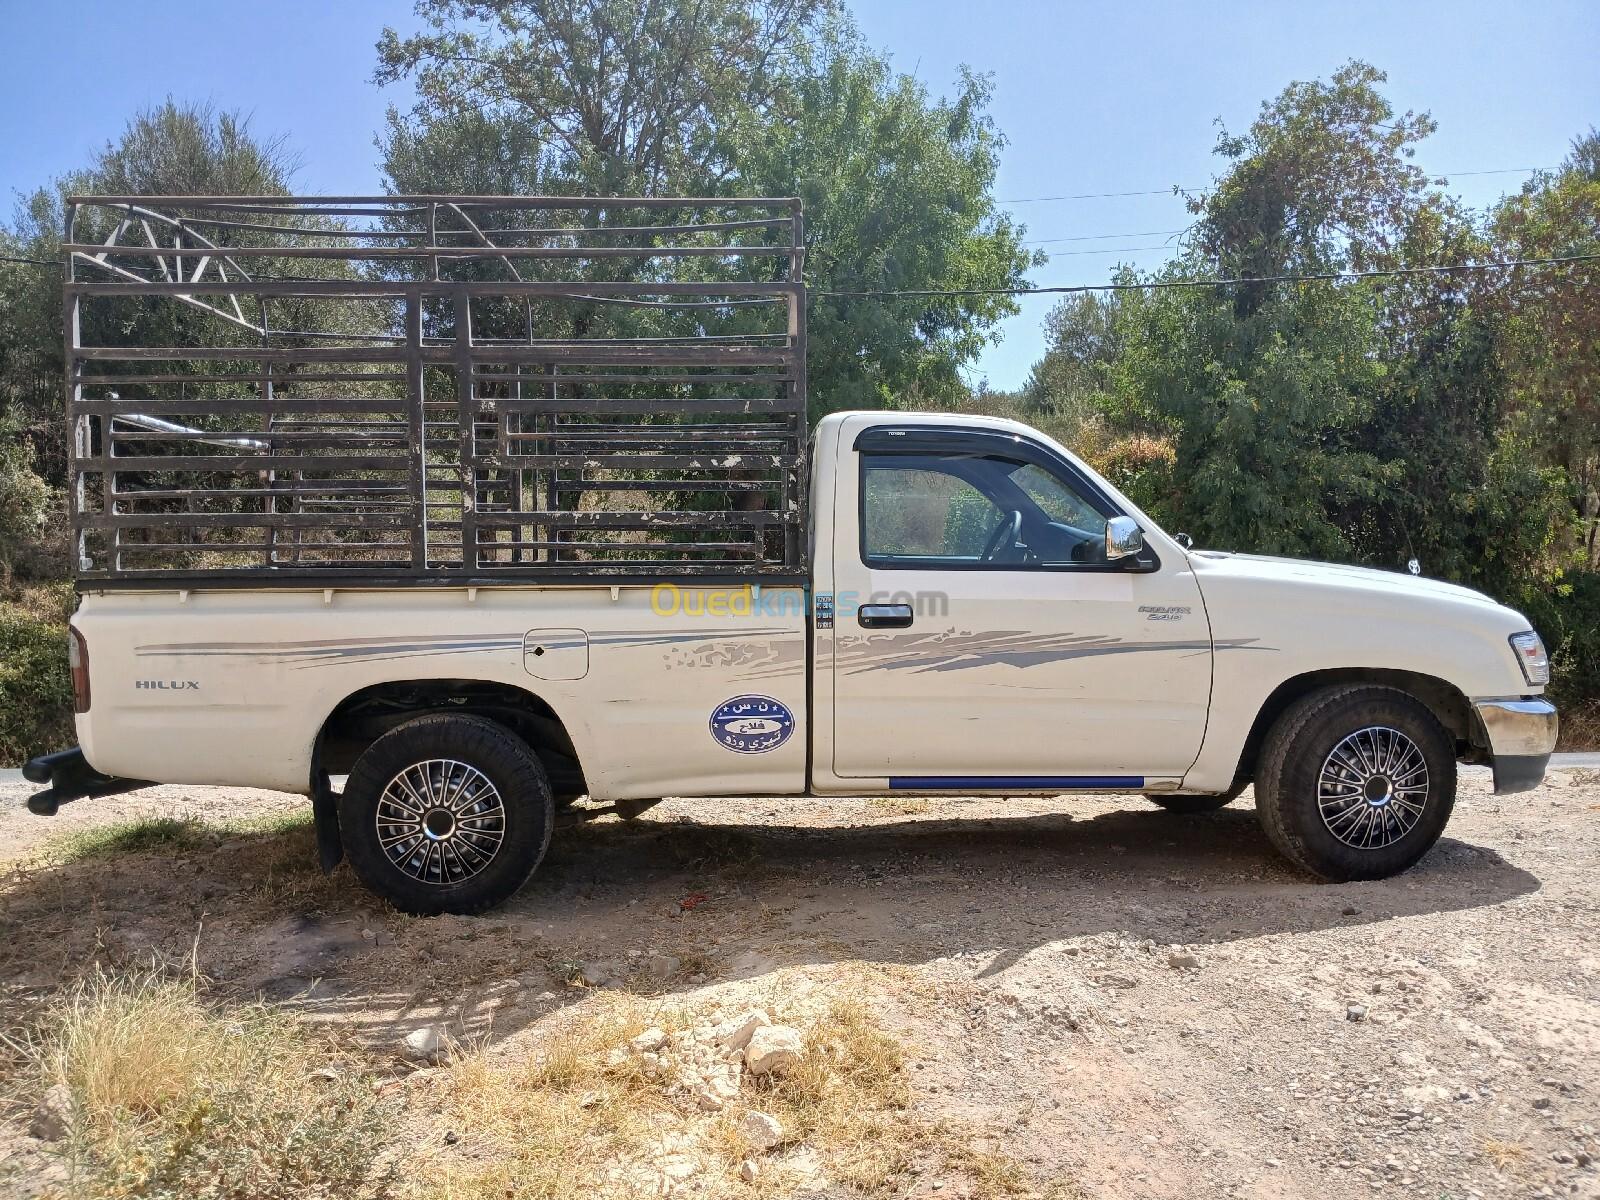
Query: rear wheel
point(446, 814)
point(1356, 782)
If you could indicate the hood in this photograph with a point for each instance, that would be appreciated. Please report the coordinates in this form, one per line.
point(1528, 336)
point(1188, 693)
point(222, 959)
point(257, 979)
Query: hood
point(1299, 570)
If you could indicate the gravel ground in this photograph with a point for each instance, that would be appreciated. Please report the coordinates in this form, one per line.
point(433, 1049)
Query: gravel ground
point(1144, 1004)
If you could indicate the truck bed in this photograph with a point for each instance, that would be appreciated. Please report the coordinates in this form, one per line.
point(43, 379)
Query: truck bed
point(234, 686)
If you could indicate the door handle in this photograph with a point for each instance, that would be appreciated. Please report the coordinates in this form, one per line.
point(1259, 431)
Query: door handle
point(884, 616)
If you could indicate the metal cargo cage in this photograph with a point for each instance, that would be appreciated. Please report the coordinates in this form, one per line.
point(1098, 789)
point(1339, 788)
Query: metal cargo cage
point(441, 388)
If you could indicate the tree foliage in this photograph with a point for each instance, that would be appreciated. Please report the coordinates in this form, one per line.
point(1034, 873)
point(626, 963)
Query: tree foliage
point(610, 97)
point(724, 98)
point(171, 149)
point(1443, 416)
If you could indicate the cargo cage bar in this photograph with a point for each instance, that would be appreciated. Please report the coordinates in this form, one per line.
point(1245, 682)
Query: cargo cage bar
point(437, 388)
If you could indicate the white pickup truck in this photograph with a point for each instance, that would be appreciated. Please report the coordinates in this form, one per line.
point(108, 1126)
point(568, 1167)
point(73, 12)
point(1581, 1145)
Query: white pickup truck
point(986, 615)
point(517, 524)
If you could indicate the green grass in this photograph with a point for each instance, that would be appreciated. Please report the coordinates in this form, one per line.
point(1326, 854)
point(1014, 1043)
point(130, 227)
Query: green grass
point(141, 834)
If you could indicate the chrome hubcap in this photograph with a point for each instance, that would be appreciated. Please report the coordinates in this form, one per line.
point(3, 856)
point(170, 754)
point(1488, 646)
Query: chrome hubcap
point(1373, 788)
point(441, 821)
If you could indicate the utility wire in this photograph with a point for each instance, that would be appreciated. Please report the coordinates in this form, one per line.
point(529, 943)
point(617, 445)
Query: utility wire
point(38, 262)
point(1175, 190)
point(1436, 269)
point(1101, 237)
point(1167, 191)
point(1055, 254)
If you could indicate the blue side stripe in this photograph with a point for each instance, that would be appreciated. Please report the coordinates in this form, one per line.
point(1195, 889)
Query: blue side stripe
point(940, 783)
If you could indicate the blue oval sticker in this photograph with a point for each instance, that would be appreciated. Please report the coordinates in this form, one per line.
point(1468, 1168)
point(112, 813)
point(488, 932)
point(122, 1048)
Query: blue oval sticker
point(751, 724)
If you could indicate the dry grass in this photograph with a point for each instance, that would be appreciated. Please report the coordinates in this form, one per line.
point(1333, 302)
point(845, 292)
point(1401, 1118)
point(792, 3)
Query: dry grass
point(553, 1125)
point(172, 1097)
point(1580, 727)
point(577, 1118)
point(1504, 1155)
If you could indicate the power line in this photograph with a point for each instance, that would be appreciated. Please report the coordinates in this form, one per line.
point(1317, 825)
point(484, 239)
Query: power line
point(1176, 189)
point(38, 262)
point(1169, 191)
point(1101, 237)
point(1435, 269)
point(1112, 250)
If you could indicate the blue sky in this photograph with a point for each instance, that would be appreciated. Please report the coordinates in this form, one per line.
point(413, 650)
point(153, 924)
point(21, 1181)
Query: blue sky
point(1111, 97)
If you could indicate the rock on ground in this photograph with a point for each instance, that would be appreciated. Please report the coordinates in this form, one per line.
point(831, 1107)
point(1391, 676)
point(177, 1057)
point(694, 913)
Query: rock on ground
point(772, 1048)
point(761, 1131)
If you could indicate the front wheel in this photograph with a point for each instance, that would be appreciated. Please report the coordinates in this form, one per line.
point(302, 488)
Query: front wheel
point(446, 814)
point(1356, 782)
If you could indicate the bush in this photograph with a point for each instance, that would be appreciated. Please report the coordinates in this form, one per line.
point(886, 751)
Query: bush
point(27, 505)
point(1568, 619)
point(35, 684)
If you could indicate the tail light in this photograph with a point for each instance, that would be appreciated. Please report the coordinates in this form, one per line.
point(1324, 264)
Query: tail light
point(78, 660)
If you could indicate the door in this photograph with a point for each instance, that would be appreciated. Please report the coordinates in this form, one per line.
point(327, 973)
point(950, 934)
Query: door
point(984, 640)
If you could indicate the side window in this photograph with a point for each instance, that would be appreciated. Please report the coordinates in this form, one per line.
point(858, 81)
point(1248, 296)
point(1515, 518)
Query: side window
point(913, 510)
point(977, 510)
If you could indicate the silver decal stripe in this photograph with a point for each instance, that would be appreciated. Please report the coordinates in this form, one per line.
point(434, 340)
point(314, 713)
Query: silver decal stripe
point(940, 652)
point(322, 652)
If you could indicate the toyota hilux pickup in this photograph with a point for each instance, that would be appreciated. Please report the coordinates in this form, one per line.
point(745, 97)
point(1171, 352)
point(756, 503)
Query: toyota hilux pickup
point(977, 612)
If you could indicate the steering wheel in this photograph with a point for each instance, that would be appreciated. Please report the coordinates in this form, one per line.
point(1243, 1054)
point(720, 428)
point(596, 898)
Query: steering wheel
point(1011, 525)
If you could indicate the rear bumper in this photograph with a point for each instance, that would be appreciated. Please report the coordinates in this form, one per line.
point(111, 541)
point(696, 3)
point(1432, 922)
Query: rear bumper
point(1522, 736)
point(70, 777)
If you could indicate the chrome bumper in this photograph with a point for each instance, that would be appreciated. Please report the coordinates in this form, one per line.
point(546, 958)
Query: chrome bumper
point(1521, 736)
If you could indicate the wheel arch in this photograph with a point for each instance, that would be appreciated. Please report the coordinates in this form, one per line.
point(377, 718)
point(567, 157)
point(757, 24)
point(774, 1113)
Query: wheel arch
point(368, 713)
point(1446, 701)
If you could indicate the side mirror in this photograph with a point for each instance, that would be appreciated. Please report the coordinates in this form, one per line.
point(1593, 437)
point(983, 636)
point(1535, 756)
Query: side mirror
point(1124, 538)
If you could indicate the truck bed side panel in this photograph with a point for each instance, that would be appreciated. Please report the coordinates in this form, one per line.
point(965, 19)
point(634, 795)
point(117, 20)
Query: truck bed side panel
point(232, 687)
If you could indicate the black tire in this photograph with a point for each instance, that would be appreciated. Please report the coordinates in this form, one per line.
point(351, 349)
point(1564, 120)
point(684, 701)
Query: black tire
point(1189, 805)
point(1301, 820)
point(483, 872)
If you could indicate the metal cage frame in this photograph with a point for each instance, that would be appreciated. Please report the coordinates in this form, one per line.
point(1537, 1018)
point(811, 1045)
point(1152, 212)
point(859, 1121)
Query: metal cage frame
point(639, 422)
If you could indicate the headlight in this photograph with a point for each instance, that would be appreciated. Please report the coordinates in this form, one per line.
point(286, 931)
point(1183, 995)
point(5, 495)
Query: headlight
point(1531, 657)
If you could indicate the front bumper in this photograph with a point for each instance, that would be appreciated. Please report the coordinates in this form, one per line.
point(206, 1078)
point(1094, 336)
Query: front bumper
point(1521, 736)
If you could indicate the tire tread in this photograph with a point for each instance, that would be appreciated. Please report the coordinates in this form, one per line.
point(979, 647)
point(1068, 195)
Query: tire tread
point(473, 736)
point(1280, 745)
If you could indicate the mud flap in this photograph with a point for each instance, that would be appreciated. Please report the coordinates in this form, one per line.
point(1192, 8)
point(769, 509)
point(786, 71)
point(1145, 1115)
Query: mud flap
point(325, 815)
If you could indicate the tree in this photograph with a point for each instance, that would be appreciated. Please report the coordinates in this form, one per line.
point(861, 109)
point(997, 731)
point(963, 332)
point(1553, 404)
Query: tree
point(898, 191)
point(1353, 419)
point(1262, 412)
point(171, 149)
point(749, 98)
point(1550, 350)
point(1321, 179)
point(1263, 388)
point(605, 97)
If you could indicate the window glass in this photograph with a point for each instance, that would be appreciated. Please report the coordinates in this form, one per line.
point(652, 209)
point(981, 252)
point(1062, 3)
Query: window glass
point(915, 511)
point(1056, 499)
point(975, 510)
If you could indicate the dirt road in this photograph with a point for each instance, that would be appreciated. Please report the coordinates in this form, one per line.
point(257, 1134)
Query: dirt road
point(1130, 1002)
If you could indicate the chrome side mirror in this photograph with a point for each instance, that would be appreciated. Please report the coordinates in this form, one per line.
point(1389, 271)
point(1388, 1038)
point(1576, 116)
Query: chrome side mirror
point(1123, 538)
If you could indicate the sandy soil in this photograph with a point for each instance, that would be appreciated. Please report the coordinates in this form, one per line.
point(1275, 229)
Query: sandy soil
point(1435, 1035)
